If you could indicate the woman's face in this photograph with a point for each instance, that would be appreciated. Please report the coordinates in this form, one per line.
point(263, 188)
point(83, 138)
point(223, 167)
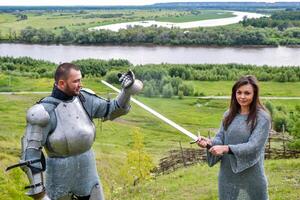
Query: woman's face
point(244, 95)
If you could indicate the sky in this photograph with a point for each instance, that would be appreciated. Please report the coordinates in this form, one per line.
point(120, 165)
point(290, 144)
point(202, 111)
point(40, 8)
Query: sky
point(112, 2)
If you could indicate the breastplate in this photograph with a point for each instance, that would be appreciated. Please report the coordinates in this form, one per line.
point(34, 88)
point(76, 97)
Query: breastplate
point(74, 133)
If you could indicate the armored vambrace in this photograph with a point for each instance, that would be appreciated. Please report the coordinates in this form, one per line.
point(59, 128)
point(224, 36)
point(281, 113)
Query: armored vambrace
point(37, 119)
point(123, 98)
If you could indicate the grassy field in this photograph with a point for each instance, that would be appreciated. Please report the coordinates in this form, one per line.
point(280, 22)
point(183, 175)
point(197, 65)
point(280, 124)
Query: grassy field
point(199, 183)
point(56, 21)
point(201, 15)
point(207, 88)
point(114, 140)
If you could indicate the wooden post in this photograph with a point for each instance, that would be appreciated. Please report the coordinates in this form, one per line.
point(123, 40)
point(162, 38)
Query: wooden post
point(182, 155)
point(173, 165)
point(269, 148)
point(283, 140)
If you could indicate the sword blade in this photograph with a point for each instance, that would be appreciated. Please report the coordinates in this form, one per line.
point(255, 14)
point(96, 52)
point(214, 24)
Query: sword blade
point(156, 114)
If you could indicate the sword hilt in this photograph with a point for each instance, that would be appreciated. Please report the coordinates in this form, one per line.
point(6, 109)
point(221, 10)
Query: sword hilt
point(208, 146)
point(27, 163)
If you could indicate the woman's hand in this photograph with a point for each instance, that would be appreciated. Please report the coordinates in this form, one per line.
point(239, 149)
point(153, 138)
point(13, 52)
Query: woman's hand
point(202, 142)
point(219, 150)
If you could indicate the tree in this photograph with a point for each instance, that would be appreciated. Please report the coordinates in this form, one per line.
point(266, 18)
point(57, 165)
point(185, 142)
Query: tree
point(66, 36)
point(280, 120)
point(270, 108)
point(112, 77)
point(175, 82)
point(27, 34)
point(139, 163)
point(180, 94)
point(187, 89)
point(167, 91)
point(149, 90)
point(244, 22)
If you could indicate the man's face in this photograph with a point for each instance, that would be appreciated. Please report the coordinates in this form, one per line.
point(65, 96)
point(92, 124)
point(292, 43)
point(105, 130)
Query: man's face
point(73, 85)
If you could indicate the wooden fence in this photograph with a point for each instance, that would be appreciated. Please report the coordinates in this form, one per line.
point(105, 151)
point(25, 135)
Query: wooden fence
point(276, 148)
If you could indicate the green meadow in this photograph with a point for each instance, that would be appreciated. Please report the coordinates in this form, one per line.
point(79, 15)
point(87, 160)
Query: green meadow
point(114, 140)
point(207, 88)
point(199, 15)
point(268, 88)
point(74, 20)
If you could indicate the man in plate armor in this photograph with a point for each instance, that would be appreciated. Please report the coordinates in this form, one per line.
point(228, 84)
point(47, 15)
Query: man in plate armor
point(62, 124)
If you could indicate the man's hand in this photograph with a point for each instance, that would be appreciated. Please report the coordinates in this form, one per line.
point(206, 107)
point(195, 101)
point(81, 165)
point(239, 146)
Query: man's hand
point(130, 85)
point(219, 150)
point(126, 79)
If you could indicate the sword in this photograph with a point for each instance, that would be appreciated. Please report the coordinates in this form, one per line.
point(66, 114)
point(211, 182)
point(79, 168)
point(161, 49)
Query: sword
point(160, 116)
point(27, 163)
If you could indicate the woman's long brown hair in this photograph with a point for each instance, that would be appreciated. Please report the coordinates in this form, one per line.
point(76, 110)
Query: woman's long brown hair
point(235, 107)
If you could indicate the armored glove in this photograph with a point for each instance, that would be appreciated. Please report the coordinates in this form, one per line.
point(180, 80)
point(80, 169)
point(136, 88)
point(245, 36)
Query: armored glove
point(126, 79)
point(129, 83)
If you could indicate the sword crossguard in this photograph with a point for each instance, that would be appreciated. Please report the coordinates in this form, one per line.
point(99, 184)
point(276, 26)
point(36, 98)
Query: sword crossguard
point(208, 146)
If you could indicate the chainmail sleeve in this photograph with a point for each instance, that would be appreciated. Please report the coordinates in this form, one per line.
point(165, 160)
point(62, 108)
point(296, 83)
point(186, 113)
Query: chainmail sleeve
point(247, 154)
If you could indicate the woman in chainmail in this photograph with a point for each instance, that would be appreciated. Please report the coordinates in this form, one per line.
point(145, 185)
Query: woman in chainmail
point(240, 143)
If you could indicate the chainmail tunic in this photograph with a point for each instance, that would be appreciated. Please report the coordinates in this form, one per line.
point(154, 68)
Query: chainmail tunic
point(76, 174)
point(241, 175)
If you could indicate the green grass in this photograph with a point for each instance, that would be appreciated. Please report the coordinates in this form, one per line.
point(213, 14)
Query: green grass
point(55, 21)
point(188, 17)
point(19, 83)
point(199, 182)
point(114, 139)
point(223, 88)
point(208, 88)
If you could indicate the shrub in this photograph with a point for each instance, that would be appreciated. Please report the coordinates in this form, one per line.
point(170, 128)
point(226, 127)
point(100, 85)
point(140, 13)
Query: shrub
point(167, 91)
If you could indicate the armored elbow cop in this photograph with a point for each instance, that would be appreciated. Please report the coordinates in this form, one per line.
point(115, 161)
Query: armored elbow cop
point(32, 161)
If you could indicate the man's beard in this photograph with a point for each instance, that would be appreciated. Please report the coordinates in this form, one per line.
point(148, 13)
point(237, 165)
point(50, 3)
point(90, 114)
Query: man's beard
point(70, 92)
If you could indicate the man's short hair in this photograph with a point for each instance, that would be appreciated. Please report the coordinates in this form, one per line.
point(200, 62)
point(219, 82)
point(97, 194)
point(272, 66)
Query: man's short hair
point(63, 71)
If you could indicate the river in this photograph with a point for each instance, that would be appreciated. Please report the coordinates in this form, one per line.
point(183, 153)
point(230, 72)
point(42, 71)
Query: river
point(273, 56)
point(202, 23)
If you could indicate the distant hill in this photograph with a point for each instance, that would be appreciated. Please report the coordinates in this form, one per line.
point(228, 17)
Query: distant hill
point(178, 5)
point(229, 5)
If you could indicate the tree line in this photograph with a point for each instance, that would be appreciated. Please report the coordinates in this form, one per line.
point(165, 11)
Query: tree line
point(159, 79)
point(282, 28)
point(202, 72)
point(280, 20)
point(220, 36)
point(26, 66)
